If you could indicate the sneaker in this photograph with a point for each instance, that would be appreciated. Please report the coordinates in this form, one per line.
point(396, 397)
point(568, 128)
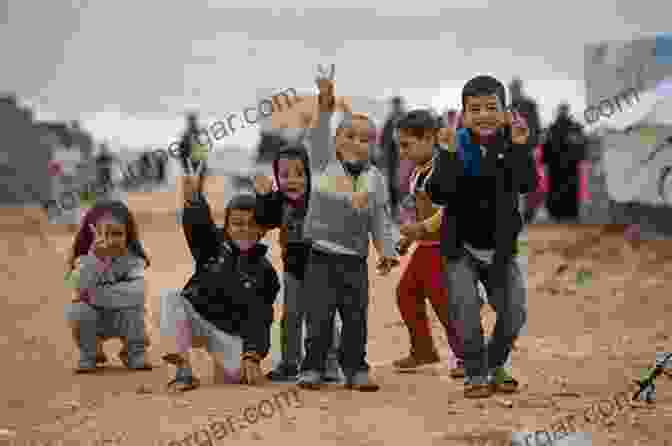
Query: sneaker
point(477, 387)
point(283, 373)
point(503, 382)
point(310, 380)
point(457, 372)
point(361, 382)
point(413, 361)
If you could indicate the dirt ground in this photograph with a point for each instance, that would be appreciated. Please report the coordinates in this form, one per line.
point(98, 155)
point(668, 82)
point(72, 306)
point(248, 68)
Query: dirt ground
point(584, 344)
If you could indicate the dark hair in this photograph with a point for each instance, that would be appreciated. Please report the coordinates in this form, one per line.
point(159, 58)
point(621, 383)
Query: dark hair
point(418, 123)
point(483, 86)
point(119, 211)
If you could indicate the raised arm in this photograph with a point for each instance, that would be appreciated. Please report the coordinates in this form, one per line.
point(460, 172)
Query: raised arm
point(197, 223)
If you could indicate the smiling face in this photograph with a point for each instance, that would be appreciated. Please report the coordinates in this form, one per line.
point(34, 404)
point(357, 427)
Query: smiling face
point(292, 177)
point(483, 114)
point(416, 147)
point(242, 226)
point(352, 143)
point(113, 232)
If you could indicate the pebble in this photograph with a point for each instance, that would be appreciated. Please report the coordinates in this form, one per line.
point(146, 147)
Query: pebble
point(144, 389)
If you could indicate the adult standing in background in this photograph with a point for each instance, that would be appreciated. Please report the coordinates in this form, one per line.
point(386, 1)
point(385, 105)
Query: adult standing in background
point(390, 154)
point(529, 109)
point(565, 148)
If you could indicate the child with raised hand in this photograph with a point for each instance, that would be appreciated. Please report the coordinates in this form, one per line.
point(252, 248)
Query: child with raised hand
point(109, 279)
point(479, 177)
point(422, 278)
point(227, 305)
point(286, 209)
point(348, 205)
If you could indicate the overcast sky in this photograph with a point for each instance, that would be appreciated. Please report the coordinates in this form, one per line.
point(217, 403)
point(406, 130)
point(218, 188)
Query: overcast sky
point(128, 69)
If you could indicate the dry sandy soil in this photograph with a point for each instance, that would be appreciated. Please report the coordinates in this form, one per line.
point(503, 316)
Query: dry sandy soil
point(584, 343)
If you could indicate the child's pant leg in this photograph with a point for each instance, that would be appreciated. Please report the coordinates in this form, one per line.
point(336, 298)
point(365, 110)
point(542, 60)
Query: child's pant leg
point(353, 307)
point(509, 304)
point(175, 322)
point(465, 305)
point(336, 337)
point(411, 303)
point(89, 320)
point(130, 324)
point(294, 315)
point(320, 305)
point(435, 289)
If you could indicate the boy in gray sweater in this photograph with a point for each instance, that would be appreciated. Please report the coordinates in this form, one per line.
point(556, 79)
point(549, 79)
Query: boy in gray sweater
point(348, 202)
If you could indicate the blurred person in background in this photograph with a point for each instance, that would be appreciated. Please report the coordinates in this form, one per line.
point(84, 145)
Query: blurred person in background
point(529, 109)
point(390, 159)
point(564, 149)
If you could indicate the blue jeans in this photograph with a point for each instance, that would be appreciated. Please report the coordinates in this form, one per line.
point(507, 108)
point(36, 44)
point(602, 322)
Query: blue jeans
point(508, 302)
point(336, 282)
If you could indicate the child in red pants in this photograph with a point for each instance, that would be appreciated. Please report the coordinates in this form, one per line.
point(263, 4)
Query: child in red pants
point(422, 278)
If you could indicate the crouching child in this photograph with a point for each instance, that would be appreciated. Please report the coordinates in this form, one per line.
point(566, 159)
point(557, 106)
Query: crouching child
point(227, 305)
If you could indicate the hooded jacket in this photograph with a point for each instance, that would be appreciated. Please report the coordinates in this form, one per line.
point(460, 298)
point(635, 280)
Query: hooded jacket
point(276, 210)
point(233, 291)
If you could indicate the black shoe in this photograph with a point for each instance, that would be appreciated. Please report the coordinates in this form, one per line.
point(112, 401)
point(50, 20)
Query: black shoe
point(283, 373)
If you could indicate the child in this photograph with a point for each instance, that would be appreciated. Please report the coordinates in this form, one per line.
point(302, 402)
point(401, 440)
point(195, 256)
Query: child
point(286, 208)
point(417, 134)
point(347, 204)
point(81, 246)
point(227, 305)
point(482, 186)
point(111, 286)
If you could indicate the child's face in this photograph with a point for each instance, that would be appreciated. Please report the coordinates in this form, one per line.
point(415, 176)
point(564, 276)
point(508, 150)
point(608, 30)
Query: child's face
point(418, 150)
point(352, 143)
point(242, 226)
point(483, 114)
point(292, 176)
point(112, 232)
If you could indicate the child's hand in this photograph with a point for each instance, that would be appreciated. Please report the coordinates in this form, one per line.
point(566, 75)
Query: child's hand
point(263, 184)
point(385, 265)
point(413, 231)
point(360, 200)
point(403, 245)
point(520, 131)
point(102, 248)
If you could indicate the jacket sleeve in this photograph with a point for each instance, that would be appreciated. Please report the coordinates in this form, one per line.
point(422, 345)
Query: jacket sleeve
point(442, 183)
point(199, 228)
point(524, 167)
point(101, 287)
point(256, 332)
point(269, 209)
point(380, 223)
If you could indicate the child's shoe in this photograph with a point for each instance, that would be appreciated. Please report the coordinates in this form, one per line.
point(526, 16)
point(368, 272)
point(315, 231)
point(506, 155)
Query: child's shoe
point(503, 382)
point(458, 371)
point(361, 382)
point(184, 381)
point(283, 373)
point(477, 387)
point(310, 380)
point(417, 359)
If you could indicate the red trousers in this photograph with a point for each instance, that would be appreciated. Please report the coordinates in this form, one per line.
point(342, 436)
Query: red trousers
point(423, 279)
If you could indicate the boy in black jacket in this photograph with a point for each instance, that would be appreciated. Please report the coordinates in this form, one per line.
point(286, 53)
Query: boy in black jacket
point(286, 209)
point(479, 179)
point(227, 305)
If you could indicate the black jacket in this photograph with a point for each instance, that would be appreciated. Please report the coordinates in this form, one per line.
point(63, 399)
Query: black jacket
point(273, 211)
point(234, 292)
point(486, 203)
